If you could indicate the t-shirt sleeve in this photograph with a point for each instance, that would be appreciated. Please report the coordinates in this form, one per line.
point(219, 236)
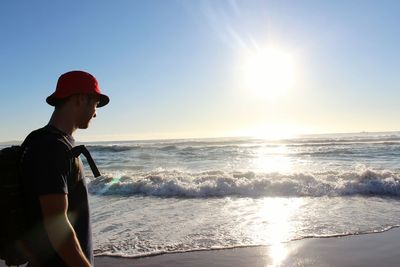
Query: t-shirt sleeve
point(52, 168)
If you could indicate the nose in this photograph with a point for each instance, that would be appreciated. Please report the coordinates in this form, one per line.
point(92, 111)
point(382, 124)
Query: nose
point(94, 115)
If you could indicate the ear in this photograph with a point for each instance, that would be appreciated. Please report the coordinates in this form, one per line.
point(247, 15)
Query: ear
point(79, 99)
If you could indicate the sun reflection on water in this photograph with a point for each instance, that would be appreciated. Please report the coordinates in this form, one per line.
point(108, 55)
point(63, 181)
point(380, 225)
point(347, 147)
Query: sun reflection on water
point(278, 213)
point(272, 159)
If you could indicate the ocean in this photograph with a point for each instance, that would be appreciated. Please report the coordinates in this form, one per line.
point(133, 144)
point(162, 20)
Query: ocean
point(171, 196)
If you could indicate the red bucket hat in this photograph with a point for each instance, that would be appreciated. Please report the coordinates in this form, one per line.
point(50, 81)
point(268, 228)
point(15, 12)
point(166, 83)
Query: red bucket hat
point(76, 82)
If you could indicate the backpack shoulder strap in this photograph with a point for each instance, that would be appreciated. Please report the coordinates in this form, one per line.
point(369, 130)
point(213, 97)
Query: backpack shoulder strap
point(77, 150)
point(74, 150)
point(81, 149)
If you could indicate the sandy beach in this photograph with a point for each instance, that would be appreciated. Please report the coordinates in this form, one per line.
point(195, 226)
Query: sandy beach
point(378, 249)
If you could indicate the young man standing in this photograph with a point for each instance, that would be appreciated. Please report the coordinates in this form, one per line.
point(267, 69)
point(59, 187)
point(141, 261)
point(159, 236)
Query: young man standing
point(54, 187)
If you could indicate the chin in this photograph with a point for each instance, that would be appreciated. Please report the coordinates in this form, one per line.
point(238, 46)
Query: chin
point(85, 126)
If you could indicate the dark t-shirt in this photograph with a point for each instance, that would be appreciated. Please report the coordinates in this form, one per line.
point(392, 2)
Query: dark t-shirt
point(49, 168)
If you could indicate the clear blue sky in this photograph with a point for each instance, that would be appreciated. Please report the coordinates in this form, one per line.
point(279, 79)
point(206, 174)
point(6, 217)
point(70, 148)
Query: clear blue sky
point(173, 68)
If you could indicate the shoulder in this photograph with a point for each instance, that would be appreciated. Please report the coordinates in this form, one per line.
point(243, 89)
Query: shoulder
point(43, 141)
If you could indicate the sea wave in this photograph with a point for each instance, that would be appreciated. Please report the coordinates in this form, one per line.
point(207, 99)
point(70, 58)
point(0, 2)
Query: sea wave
point(112, 148)
point(248, 184)
point(346, 143)
point(169, 147)
point(248, 143)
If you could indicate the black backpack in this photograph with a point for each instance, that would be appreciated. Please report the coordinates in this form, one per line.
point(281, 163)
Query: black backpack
point(13, 249)
point(12, 220)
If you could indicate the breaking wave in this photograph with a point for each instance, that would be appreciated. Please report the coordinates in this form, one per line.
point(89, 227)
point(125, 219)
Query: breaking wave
point(248, 184)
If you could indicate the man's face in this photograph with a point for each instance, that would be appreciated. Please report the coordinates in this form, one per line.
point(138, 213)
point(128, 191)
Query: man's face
point(88, 110)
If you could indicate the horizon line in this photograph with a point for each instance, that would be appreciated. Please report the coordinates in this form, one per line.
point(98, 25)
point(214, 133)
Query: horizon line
point(12, 142)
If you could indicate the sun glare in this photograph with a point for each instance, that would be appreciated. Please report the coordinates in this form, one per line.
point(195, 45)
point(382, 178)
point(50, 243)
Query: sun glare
point(279, 212)
point(268, 72)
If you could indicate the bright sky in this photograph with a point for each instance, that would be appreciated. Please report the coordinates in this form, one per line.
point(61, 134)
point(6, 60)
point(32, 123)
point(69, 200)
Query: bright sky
point(177, 69)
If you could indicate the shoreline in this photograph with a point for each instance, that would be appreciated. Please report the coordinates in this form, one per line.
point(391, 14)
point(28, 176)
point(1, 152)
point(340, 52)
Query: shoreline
point(246, 246)
point(369, 250)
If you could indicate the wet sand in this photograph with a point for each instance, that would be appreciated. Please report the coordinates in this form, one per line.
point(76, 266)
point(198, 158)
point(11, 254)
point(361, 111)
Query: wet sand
point(379, 249)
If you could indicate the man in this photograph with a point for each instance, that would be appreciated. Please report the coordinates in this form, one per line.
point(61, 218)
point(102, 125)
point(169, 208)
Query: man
point(58, 217)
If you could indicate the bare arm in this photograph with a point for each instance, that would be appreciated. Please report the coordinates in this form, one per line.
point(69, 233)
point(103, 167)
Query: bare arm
point(60, 231)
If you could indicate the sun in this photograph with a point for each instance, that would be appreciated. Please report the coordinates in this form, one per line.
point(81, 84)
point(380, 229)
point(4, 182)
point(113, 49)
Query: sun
point(268, 72)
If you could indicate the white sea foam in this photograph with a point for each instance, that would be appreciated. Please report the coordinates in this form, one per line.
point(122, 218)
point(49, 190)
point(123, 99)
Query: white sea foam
point(141, 226)
point(248, 184)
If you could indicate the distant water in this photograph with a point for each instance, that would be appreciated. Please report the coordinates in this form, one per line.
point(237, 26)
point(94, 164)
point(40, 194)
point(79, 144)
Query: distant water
point(183, 195)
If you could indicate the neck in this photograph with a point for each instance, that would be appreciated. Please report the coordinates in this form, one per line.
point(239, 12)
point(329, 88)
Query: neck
point(63, 122)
